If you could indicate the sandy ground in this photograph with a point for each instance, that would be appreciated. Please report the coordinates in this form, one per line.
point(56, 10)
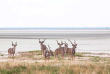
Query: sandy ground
point(31, 57)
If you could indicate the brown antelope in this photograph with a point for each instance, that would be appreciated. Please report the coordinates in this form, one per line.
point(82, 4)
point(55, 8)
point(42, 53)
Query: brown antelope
point(43, 47)
point(11, 51)
point(51, 52)
point(66, 47)
point(59, 50)
point(47, 54)
point(71, 51)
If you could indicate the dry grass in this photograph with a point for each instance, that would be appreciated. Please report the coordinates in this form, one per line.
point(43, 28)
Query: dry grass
point(58, 67)
point(81, 65)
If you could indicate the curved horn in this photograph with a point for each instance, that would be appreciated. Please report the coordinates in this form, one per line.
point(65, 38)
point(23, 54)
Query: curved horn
point(57, 41)
point(65, 43)
point(12, 43)
point(70, 41)
point(39, 41)
point(44, 40)
point(49, 47)
point(61, 42)
point(75, 41)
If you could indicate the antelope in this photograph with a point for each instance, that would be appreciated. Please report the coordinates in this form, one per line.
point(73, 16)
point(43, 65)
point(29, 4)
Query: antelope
point(66, 47)
point(51, 52)
point(43, 47)
point(59, 50)
point(47, 54)
point(11, 51)
point(71, 51)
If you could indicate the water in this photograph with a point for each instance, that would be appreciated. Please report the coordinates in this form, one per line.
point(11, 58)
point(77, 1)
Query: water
point(84, 45)
point(88, 41)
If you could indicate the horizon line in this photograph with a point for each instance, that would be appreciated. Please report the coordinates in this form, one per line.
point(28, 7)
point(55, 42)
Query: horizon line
point(54, 28)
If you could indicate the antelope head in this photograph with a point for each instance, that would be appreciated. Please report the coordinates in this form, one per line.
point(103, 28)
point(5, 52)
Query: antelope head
point(14, 45)
point(41, 42)
point(60, 44)
point(74, 45)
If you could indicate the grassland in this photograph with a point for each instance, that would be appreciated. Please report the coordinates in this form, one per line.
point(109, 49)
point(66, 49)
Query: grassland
point(33, 63)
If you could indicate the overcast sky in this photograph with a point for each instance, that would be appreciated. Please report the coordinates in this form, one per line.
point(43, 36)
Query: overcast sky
point(54, 13)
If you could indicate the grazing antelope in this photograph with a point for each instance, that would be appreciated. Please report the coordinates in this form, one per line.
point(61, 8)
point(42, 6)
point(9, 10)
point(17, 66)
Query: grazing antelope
point(51, 52)
point(47, 54)
point(11, 51)
point(43, 47)
point(59, 50)
point(71, 51)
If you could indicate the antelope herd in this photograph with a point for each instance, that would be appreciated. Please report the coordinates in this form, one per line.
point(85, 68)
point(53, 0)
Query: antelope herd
point(47, 52)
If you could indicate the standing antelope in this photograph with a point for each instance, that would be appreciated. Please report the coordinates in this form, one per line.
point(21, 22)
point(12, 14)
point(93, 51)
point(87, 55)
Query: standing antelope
point(51, 52)
point(66, 47)
point(59, 50)
point(11, 51)
point(71, 51)
point(43, 47)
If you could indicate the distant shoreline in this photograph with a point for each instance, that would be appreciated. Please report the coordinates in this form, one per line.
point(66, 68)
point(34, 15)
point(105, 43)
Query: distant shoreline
point(55, 28)
point(52, 34)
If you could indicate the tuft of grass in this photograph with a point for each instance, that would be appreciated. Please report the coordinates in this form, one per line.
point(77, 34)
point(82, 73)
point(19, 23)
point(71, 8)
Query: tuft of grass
point(54, 68)
point(14, 70)
point(35, 51)
point(1, 55)
point(79, 55)
point(38, 54)
point(95, 59)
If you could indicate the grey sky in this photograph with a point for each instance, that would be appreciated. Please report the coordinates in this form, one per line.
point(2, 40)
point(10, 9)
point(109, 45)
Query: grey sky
point(55, 13)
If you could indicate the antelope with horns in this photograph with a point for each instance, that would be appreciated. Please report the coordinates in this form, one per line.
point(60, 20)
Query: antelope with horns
point(47, 54)
point(59, 50)
point(11, 51)
point(51, 52)
point(43, 47)
point(71, 51)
